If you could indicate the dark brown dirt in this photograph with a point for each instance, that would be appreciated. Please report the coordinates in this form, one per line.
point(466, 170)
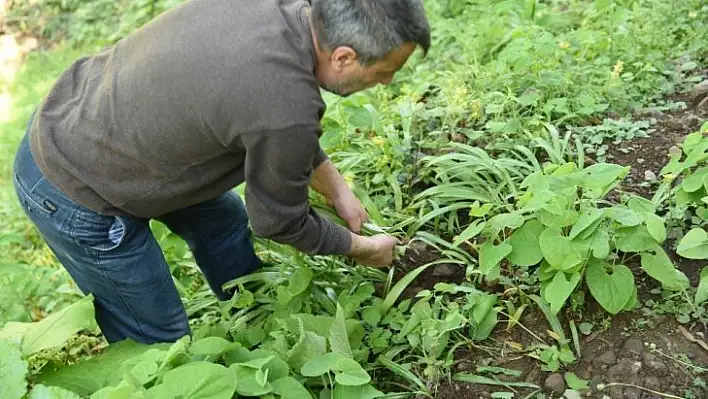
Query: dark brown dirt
point(659, 359)
point(647, 156)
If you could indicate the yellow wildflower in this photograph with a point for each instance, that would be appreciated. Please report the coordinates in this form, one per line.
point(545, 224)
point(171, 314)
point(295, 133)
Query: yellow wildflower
point(564, 45)
point(377, 141)
point(617, 70)
point(692, 14)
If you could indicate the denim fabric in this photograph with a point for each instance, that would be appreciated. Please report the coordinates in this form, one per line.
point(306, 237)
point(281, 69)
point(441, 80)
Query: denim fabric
point(117, 259)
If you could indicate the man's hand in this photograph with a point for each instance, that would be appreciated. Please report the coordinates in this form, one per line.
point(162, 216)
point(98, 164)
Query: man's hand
point(327, 181)
point(373, 251)
point(349, 208)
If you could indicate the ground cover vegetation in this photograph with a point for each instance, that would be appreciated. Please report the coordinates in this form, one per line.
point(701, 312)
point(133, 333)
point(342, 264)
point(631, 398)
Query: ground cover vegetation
point(546, 171)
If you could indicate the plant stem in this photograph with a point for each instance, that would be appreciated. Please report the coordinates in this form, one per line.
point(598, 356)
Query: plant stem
point(524, 327)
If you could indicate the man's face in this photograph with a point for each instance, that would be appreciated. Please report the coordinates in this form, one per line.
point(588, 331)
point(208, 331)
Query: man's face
point(344, 74)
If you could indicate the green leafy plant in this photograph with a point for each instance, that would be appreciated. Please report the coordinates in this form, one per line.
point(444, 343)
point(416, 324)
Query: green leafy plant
point(558, 225)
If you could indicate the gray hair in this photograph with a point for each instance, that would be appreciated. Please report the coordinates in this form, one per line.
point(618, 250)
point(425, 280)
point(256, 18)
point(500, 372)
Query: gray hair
point(373, 28)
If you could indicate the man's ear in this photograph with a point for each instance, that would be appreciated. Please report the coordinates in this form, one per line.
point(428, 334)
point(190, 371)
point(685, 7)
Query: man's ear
point(343, 57)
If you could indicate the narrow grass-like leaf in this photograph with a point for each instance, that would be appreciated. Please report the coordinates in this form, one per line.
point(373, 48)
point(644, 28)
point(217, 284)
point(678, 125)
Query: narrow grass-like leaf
point(403, 372)
point(552, 318)
point(400, 286)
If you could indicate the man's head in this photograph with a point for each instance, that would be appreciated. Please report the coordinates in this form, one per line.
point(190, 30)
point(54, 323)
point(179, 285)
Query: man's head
point(362, 43)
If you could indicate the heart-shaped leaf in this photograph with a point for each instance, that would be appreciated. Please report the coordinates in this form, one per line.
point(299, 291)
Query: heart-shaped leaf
point(559, 289)
point(660, 267)
point(623, 215)
point(694, 245)
point(321, 364)
point(489, 257)
point(526, 250)
point(612, 291)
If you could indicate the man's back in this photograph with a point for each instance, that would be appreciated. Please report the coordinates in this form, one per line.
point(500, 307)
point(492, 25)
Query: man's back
point(156, 122)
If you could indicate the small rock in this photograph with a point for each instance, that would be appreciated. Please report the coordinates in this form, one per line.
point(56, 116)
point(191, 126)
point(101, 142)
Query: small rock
point(649, 175)
point(555, 383)
point(640, 160)
point(632, 346)
point(652, 383)
point(632, 393)
point(594, 381)
point(444, 271)
point(608, 358)
point(699, 92)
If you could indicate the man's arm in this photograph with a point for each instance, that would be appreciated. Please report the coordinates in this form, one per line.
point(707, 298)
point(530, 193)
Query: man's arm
point(278, 176)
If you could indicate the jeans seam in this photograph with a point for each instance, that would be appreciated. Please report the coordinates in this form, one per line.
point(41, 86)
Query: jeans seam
point(96, 257)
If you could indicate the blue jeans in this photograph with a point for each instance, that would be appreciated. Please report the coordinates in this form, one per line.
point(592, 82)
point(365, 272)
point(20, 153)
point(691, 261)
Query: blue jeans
point(118, 260)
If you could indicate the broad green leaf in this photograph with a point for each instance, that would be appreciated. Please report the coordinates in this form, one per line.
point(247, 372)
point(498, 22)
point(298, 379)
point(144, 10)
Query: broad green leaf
point(338, 338)
point(575, 383)
point(45, 392)
point(356, 392)
point(54, 330)
point(142, 372)
point(634, 239)
point(290, 388)
point(694, 245)
point(558, 250)
point(587, 219)
point(655, 226)
point(198, 380)
point(502, 221)
point(624, 216)
point(600, 244)
point(612, 291)
point(349, 372)
point(490, 256)
point(694, 182)
point(300, 281)
point(257, 363)
point(660, 267)
point(211, 346)
point(471, 231)
point(308, 347)
point(600, 178)
point(13, 371)
point(251, 382)
point(321, 364)
point(702, 290)
point(125, 390)
point(484, 316)
point(90, 375)
point(525, 249)
point(559, 289)
point(641, 205)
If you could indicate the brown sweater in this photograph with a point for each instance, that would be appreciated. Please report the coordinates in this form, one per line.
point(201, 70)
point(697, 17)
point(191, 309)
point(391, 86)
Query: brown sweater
point(208, 95)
